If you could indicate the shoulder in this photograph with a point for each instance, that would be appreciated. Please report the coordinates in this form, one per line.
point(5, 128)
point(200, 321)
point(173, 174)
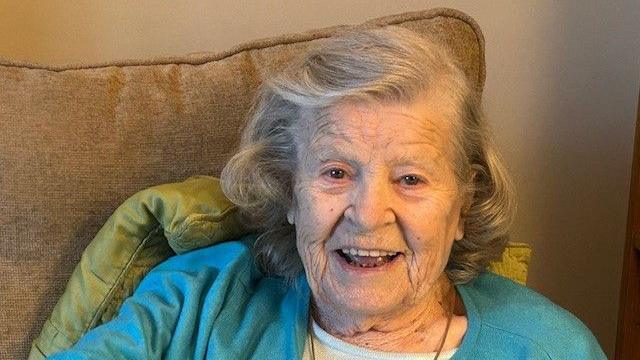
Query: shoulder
point(512, 310)
point(225, 264)
point(219, 255)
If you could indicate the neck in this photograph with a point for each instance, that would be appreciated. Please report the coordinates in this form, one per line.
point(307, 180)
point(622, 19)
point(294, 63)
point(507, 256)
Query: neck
point(416, 327)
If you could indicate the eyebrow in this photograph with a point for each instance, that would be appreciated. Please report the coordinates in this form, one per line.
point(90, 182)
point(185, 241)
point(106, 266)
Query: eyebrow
point(327, 153)
point(430, 163)
point(407, 160)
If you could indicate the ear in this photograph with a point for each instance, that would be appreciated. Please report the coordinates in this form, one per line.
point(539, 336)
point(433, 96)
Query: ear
point(290, 218)
point(461, 220)
point(291, 206)
point(466, 205)
point(460, 230)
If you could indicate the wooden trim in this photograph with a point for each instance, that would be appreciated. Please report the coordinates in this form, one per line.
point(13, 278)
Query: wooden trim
point(628, 339)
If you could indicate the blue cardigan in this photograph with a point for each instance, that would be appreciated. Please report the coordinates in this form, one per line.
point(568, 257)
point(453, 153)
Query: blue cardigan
point(213, 303)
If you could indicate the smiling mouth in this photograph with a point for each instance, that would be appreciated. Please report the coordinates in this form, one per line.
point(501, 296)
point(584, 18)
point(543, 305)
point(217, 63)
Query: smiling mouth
point(366, 259)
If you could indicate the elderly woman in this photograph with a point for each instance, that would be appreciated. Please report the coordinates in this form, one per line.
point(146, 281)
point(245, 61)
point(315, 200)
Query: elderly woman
point(369, 175)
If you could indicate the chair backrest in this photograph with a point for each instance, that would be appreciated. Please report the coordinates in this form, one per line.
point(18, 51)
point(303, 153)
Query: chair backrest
point(76, 141)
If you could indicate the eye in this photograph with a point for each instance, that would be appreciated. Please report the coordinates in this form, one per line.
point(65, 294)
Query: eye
point(411, 180)
point(336, 173)
point(335, 179)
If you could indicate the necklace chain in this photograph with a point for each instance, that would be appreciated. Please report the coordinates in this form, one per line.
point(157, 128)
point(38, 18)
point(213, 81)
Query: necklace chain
point(440, 347)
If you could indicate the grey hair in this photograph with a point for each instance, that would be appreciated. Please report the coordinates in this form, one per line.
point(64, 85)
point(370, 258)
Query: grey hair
point(388, 64)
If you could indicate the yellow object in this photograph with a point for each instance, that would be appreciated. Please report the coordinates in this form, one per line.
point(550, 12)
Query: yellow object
point(514, 263)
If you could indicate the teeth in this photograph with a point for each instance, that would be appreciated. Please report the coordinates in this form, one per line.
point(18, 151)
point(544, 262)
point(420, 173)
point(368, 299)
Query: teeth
point(372, 253)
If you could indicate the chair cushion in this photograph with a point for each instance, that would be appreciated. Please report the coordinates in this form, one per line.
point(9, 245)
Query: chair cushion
point(143, 232)
point(76, 141)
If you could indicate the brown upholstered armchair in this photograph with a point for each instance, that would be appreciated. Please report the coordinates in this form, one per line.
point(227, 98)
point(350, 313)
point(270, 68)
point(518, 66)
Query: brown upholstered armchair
point(76, 141)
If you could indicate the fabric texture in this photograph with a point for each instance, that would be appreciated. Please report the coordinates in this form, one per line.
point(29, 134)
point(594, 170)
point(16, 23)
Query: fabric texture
point(213, 303)
point(149, 227)
point(77, 140)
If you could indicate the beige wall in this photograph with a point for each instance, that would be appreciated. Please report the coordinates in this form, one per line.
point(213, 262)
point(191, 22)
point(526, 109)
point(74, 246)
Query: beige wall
point(562, 85)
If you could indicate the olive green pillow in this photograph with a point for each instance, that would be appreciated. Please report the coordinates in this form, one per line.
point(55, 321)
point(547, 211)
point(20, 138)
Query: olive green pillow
point(149, 227)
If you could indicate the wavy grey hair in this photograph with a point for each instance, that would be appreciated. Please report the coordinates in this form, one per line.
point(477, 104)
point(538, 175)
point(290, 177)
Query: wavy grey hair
point(388, 64)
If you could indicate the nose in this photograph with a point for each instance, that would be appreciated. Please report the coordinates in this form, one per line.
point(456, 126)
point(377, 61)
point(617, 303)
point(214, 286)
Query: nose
point(370, 205)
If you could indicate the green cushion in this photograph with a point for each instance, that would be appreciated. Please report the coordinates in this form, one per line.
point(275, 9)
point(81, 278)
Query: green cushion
point(148, 228)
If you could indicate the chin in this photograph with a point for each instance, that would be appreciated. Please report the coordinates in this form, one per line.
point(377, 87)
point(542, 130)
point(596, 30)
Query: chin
point(367, 291)
point(371, 303)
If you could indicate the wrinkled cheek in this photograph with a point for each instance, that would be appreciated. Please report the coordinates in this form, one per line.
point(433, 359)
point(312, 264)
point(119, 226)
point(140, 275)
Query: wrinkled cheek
point(424, 269)
point(305, 244)
point(311, 251)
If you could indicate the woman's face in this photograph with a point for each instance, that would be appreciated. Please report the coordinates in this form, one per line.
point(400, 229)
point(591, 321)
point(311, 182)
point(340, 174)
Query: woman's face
point(376, 206)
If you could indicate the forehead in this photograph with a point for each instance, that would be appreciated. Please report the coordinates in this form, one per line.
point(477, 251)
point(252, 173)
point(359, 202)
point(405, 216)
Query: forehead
point(425, 122)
